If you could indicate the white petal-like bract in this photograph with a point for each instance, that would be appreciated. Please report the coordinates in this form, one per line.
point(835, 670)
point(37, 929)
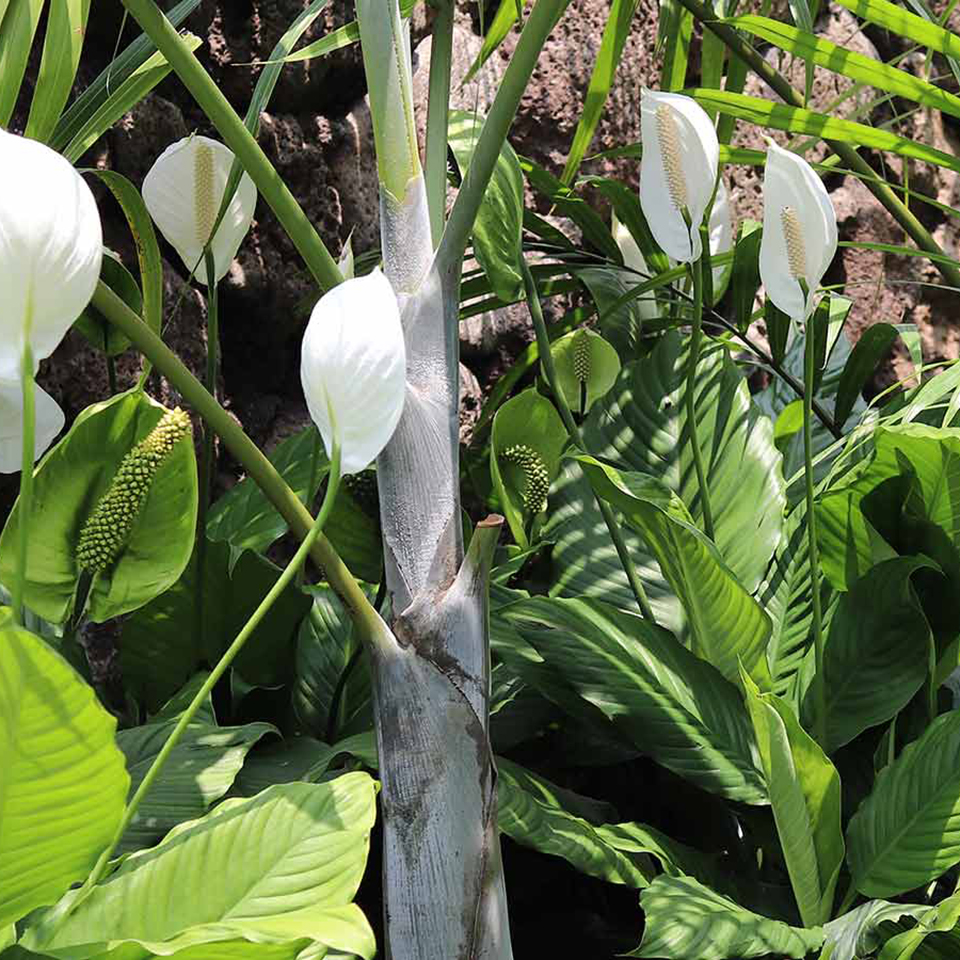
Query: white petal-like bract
point(634, 259)
point(183, 191)
point(721, 232)
point(51, 245)
point(799, 231)
point(49, 423)
point(678, 170)
point(354, 368)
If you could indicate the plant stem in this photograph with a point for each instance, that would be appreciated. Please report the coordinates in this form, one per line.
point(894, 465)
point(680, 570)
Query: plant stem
point(26, 479)
point(213, 370)
point(239, 139)
point(847, 152)
point(438, 111)
point(251, 458)
point(218, 671)
point(696, 332)
point(820, 687)
point(573, 431)
point(311, 483)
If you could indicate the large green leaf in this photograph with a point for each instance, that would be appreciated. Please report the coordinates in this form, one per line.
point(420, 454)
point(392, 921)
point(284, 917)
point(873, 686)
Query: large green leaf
point(190, 626)
point(727, 626)
point(856, 935)
point(63, 785)
point(876, 653)
point(590, 657)
point(641, 425)
point(280, 868)
point(685, 919)
point(805, 796)
point(69, 482)
point(498, 226)
point(942, 918)
point(331, 687)
point(542, 822)
point(200, 770)
point(907, 831)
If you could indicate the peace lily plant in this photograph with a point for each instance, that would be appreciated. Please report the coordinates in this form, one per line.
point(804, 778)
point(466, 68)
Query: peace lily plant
point(337, 618)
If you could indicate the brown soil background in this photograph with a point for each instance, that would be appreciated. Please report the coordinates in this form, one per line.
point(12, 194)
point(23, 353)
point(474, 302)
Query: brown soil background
point(317, 132)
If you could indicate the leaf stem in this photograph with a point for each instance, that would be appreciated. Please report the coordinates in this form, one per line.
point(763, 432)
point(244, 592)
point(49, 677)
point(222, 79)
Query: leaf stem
point(251, 458)
point(26, 478)
point(218, 671)
point(690, 395)
point(438, 112)
point(819, 682)
point(239, 139)
point(549, 370)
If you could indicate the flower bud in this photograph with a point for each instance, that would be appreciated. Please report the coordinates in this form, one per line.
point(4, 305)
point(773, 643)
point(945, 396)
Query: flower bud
point(50, 250)
point(108, 528)
point(678, 171)
point(183, 191)
point(49, 422)
point(799, 232)
point(354, 368)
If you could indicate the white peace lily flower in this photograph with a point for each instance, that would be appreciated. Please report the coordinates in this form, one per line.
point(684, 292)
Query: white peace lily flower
point(721, 241)
point(49, 422)
point(799, 232)
point(678, 170)
point(183, 191)
point(353, 366)
point(51, 245)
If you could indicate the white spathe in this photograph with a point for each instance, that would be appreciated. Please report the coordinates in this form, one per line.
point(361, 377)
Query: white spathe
point(353, 365)
point(49, 422)
point(721, 241)
point(799, 232)
point(51, 245)
point(183, 191)
point(678, 170)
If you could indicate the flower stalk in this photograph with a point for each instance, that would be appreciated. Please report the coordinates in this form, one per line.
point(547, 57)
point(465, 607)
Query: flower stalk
point(690, 395)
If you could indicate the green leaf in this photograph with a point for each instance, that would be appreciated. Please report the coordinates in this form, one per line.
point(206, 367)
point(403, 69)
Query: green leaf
point(586, 655)
point(498, 226)
point(280, 868)
point(874, 343)
point(745, 276)
point(526, 442)
point(875, 655)
point(685, 919)
point(110, 78)
point(641, 426)
point(620, 323)
point(908, 25)
point(939, 919)
point(615, 34)
point(583, 359)
point(63, 786)
point(112, 101)
point(70, 481)
point(907, 831)
point(848, 63)
point(66, 26)
point(245, 518)
point(164, 643)
point(331, 687)
point(96, 329)
point(542, 823)
point(199, 771)
point(857, 935)
point(727, 627)
point(17, 31)
point(805, 796)
point(675, 29)
point(779, 116)
point(508, 13)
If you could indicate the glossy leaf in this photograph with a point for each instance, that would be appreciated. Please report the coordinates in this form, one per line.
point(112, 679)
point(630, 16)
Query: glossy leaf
point(857, 934)
point(805, 797)
point(64, 782)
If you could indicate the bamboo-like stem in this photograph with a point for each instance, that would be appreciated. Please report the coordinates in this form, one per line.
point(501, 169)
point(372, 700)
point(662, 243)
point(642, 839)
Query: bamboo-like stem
point(696, 333)
point(239, 139)
point(25, 500)
point(438, 112)
point(251, 458)
point(549, 369)
point(819, 681)
point(847, 152)
point(218, 671)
